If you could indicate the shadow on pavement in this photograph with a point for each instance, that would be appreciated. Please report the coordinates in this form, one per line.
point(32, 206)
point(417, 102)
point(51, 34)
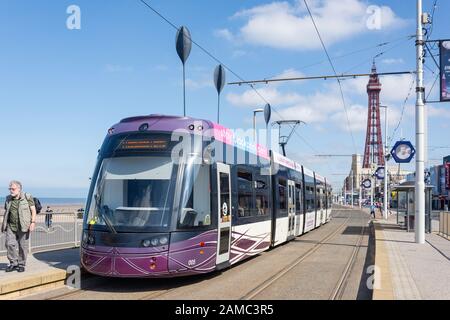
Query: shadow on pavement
point(60, 259)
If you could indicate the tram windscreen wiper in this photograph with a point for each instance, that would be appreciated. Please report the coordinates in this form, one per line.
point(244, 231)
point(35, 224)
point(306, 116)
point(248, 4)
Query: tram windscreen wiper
point(106, 219)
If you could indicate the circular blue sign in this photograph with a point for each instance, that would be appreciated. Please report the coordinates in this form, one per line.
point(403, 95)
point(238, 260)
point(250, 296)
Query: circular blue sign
point(367, 183)
point(403, 151)
point(380, 173)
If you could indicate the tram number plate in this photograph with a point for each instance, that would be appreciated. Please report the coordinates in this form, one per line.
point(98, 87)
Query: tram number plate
point(191, 262)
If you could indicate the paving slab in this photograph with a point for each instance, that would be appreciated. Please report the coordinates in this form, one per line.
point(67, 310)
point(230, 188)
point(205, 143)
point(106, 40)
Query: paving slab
point(43, 269)
point(416, 271)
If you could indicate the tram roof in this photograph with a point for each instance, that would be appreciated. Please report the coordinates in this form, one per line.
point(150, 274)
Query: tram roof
point(158, 122)
point(170, 123)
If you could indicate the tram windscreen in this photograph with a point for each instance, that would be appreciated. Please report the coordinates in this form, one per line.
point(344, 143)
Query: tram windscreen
point(134, 193)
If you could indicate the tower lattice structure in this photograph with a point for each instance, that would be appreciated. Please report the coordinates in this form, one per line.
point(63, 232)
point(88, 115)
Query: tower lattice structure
point(373, 151)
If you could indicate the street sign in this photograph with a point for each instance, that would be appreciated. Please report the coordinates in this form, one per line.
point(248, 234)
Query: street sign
point(447, 175)
point(427, 176)
point(379, 173)
point(367, 183)
point(403, 151)
point(444, 52)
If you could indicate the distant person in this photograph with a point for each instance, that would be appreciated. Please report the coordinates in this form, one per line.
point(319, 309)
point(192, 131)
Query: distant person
point(372, 210)
point(19, 220)
point(48, 218)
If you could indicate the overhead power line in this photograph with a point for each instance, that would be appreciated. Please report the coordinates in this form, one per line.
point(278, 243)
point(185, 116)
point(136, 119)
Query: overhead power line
point(344, 55)
point(336, 76)
point(224, 65)
point(403, 109)
point(335, 73)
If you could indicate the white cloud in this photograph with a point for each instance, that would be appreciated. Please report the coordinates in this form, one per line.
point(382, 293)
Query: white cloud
point(394, 89)
point(270, 92)
point(251, 99)
point(325, 105)
point(290, 73)
point(357, 118)
point(438, 112)
point(225, 34)
point(288, 26)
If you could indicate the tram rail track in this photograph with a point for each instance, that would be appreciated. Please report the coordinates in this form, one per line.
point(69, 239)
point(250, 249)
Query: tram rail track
point(268, 282)
point(336, 294)
point(341, 285)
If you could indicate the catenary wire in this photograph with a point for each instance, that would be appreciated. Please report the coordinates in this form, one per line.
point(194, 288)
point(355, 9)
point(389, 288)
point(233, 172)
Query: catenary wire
point(225, 66)
point(334, 70)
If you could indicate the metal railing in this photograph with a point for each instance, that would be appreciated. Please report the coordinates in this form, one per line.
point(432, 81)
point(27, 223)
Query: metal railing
point(64, 231)
point(444, 224)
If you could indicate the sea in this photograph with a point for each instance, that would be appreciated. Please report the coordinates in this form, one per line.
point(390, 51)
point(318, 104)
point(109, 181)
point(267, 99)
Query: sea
point(57, 201)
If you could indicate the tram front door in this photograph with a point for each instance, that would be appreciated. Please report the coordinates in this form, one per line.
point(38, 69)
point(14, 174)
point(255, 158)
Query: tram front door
point(224, 214)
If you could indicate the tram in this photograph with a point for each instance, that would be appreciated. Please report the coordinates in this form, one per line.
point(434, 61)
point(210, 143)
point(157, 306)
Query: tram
point(174, 196)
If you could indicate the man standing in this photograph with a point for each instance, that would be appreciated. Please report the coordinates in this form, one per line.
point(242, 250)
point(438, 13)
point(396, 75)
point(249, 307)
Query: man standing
point(18, 222)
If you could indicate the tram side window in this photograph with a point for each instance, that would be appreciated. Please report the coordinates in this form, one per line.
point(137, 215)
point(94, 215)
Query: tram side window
point(310, 205)
point(282, 194)
point(321, 200)
point(196, 210)
point(298, 198)
point(245, 193)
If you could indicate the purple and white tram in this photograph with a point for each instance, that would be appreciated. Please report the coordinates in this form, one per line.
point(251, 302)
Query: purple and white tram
point(174, 196)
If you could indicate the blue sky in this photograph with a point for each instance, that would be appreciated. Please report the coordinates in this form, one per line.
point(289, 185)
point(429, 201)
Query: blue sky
point(61, 89)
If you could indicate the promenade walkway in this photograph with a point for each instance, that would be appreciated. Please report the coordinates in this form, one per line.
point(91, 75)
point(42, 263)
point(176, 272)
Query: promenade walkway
point(44, 270)
point(409, 270)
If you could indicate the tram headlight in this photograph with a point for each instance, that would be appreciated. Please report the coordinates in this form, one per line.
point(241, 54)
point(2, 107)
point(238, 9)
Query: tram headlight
point(146, 243)
point(163, 240)
point(155, 242)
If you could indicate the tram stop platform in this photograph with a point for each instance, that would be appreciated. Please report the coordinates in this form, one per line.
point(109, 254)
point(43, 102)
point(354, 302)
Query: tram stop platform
point(44, 270)
point(406, 270)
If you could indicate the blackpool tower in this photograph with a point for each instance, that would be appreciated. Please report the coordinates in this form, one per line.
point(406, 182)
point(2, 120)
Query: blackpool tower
point(373, 150)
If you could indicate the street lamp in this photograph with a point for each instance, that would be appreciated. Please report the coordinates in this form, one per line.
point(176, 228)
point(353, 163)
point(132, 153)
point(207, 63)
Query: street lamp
point(386, 153)
point(254, 122)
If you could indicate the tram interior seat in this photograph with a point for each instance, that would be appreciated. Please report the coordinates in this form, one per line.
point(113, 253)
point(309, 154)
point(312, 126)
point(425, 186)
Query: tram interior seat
point(189, 218)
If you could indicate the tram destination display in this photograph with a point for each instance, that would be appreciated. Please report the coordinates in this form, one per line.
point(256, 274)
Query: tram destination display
point(143, 144)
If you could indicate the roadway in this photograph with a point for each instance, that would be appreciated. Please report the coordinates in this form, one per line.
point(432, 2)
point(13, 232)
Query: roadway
point(327, 263)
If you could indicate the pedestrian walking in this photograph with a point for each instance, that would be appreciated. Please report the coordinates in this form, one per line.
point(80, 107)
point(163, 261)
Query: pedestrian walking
point(48, 218)
point(19, 220)
point(372, 210)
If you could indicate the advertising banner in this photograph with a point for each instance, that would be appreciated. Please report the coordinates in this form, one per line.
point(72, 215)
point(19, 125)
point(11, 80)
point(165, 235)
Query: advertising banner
point(447, 175)
point(444, 46)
